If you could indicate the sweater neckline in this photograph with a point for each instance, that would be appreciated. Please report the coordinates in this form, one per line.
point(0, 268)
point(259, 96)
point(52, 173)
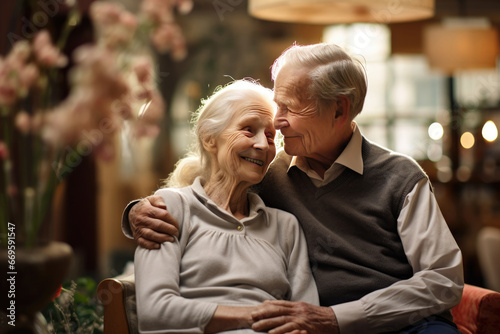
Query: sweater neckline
point(255, 204)
point(340, 180)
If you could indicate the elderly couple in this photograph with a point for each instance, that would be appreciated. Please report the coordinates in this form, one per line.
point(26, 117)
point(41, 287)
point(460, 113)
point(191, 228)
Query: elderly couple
point(339, 235)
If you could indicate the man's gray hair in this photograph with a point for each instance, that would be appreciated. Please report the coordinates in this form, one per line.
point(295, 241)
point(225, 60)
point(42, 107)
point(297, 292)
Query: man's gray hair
point(332, 73)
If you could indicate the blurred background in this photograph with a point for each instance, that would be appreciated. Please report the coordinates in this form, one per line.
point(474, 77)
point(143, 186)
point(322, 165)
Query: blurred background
point(433, 94)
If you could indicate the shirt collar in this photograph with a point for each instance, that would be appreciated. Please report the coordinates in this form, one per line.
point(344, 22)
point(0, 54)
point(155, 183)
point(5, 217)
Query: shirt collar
point(351, 156)
point(254, 201)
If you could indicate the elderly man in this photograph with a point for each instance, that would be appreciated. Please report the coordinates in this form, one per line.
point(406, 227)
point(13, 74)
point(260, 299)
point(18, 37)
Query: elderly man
point(381, 253)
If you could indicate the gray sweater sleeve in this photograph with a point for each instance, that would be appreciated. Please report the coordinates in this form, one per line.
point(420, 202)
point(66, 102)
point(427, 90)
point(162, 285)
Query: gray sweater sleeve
point(159, 304)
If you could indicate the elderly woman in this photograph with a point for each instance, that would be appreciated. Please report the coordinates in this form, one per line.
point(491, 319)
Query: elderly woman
point(233, 252)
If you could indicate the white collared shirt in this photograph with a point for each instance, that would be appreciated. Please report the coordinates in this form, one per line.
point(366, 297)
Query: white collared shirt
point(350, 158)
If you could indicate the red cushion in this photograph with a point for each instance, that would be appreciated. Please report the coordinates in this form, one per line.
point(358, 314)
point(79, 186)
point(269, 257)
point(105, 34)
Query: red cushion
point(478, 311)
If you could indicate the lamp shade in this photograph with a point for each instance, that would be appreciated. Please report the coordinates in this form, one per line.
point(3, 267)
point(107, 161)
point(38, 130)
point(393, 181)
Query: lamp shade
point(341, 11)
point(456, 47)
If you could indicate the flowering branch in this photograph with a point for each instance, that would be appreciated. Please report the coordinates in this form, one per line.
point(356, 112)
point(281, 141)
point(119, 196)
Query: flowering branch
point(111, 88)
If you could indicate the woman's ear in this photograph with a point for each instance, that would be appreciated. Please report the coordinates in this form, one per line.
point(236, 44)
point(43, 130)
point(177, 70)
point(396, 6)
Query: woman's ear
point(209, 145)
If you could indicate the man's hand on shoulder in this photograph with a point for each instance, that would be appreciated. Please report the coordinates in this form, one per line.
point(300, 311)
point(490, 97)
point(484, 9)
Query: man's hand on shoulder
point(151, 223)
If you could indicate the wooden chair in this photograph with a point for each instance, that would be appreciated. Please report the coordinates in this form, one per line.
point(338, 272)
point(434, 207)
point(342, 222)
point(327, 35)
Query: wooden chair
point(118, 298)
point(477, 313)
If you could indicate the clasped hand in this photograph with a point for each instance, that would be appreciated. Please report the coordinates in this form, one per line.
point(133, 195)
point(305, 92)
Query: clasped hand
point(286, 317)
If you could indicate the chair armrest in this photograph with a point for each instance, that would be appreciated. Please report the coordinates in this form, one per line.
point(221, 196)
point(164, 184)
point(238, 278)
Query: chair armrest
point(477, 312)
point(118, 298)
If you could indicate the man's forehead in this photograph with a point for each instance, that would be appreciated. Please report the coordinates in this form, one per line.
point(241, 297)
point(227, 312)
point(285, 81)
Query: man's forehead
point(288, 100)
point(291, 79)
point(291, 94)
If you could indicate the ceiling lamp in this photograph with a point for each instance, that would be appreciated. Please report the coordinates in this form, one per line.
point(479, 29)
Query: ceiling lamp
point(341, 11)
point(459, 44)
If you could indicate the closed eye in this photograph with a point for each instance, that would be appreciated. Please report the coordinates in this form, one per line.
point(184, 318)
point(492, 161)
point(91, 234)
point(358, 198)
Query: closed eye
point(284, 108)
point(270, 137)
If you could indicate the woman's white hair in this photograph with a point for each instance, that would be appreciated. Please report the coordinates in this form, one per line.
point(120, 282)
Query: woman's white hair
point(332, 73)
point(213, 117)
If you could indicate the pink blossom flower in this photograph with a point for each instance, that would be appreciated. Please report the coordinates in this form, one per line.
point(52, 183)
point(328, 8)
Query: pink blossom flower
point(162, 37)
point(72, 121)
point(142, 85)
point(147, 121)
point(143, 69)
point(123, 108)
point(23, 122)
point(158, 11)
point(20, 52)
point(7, 93)
point(91, 106)
point(185, 6)
point(166, 35)
point(46, 53)
point(27, 78)
point(97, 70)
point(108, 86)
point(114, 25)
point(161, 11)
point(179, 51)
point(104, 13)
point(128, 20)
point(15, 75)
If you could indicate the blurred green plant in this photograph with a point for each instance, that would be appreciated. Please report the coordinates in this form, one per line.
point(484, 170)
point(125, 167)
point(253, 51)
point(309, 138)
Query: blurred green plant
point(76, 310)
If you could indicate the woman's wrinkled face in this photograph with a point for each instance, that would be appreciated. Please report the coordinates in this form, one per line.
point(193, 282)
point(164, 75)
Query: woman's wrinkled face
point(246, 147)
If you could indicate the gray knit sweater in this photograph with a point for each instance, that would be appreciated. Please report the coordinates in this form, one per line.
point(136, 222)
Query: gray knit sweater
point(351, 223)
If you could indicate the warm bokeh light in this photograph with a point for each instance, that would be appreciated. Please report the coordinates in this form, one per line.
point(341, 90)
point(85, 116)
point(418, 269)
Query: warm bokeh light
point(463, 173)
point(490, 131)
point(444, 171)
point(434, 152)
point(435, 131)
point(444, 174)
point(467, 140)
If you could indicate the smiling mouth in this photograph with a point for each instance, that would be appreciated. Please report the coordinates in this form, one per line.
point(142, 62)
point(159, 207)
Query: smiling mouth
point(255, 161)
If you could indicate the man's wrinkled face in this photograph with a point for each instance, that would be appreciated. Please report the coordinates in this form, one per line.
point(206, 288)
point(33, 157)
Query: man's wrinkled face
point(306, 131)
point(246, 147)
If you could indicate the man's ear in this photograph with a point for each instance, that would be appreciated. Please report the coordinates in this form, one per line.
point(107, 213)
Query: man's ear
point(343, 107)
point(209, 145)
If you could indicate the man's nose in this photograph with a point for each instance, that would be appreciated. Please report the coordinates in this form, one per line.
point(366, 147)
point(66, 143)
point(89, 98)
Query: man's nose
point(280, 120)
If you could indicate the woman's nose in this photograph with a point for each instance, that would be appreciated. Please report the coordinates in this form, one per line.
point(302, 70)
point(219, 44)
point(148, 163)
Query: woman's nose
point(261, 142)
